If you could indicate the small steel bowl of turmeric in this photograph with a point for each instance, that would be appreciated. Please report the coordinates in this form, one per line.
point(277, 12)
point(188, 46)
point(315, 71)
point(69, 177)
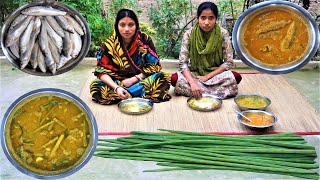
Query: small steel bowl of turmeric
point(259, 119)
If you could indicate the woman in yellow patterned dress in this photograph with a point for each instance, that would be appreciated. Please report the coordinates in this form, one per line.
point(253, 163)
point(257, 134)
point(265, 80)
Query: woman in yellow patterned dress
point(128, 65)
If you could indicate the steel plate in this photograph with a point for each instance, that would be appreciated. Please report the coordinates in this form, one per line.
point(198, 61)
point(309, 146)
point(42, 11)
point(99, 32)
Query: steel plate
point(206, 103)
point(135, 106)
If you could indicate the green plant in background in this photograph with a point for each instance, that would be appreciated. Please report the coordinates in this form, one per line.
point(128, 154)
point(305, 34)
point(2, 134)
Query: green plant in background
point(230, 9)
point(144, 27)
point(167, 18)
point(116, 5)
point(7, 7)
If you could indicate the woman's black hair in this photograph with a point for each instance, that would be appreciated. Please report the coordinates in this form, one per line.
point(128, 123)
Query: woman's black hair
point(126, 13)
point(208, 5)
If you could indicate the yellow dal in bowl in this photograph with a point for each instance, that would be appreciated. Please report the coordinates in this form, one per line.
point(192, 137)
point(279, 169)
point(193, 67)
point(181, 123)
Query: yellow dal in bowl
point(252, 102)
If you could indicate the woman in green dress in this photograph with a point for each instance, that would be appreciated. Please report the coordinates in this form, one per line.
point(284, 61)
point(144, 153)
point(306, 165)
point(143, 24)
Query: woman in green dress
point(206, 58)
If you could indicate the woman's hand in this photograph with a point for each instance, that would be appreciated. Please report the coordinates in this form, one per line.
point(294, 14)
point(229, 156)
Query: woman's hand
point(195, 90)
point(202, 78)
point(122, 93)
point(129, 81)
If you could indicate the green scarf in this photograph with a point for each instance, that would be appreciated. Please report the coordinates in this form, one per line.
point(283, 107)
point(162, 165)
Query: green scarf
point(205, 50)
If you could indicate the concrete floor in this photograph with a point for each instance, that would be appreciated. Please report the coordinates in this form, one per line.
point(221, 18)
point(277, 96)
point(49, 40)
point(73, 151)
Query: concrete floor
point(308, 84)
point(14, 83)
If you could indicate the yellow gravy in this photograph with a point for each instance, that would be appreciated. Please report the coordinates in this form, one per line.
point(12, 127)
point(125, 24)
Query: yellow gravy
point(48, 133)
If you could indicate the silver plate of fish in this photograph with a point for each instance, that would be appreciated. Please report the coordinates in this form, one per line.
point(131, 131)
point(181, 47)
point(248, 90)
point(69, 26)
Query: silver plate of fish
point(45, 38)
point(135, 106)
point(206, 103)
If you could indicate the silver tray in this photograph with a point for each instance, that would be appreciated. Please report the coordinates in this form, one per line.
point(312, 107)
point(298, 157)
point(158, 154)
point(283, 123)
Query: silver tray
point(135, 106)
point(203, 104)
point(86, 38)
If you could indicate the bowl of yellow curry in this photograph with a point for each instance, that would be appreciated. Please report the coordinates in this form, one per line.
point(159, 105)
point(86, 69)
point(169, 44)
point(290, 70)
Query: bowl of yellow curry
point(259, 119)
point(275, 37)
point(48, 133)
point(252, 102)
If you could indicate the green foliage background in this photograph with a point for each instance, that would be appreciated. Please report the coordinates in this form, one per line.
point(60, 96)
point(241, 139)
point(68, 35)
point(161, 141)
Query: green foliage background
point(8, 6)
point(167, 18)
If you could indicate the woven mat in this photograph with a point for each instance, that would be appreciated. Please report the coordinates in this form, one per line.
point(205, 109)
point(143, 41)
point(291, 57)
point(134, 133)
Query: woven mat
point(294, 113)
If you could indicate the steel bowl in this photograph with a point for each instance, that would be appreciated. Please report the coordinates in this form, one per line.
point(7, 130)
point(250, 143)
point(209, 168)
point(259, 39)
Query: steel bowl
point(239, 117)
point(86, 38)
point(7, 147)
point(139, 104)
point(243, 108)
point(273, 5)
point(215, 98)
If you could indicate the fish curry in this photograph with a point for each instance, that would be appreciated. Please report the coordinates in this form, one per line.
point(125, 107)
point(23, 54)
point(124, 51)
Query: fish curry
point(275, 37)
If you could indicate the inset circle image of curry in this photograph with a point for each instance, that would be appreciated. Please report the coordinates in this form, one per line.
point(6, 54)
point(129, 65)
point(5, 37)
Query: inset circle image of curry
point(45, 38)
point(49, 133)
point(276, 37)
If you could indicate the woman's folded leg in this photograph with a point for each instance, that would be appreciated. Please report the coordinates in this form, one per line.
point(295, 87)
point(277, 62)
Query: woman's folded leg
point(223, 85)
point(156, 86)
point(102, 93)
point(237, 76)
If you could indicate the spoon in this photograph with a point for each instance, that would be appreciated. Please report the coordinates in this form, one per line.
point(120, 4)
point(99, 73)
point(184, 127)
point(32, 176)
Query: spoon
point(243, 115)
